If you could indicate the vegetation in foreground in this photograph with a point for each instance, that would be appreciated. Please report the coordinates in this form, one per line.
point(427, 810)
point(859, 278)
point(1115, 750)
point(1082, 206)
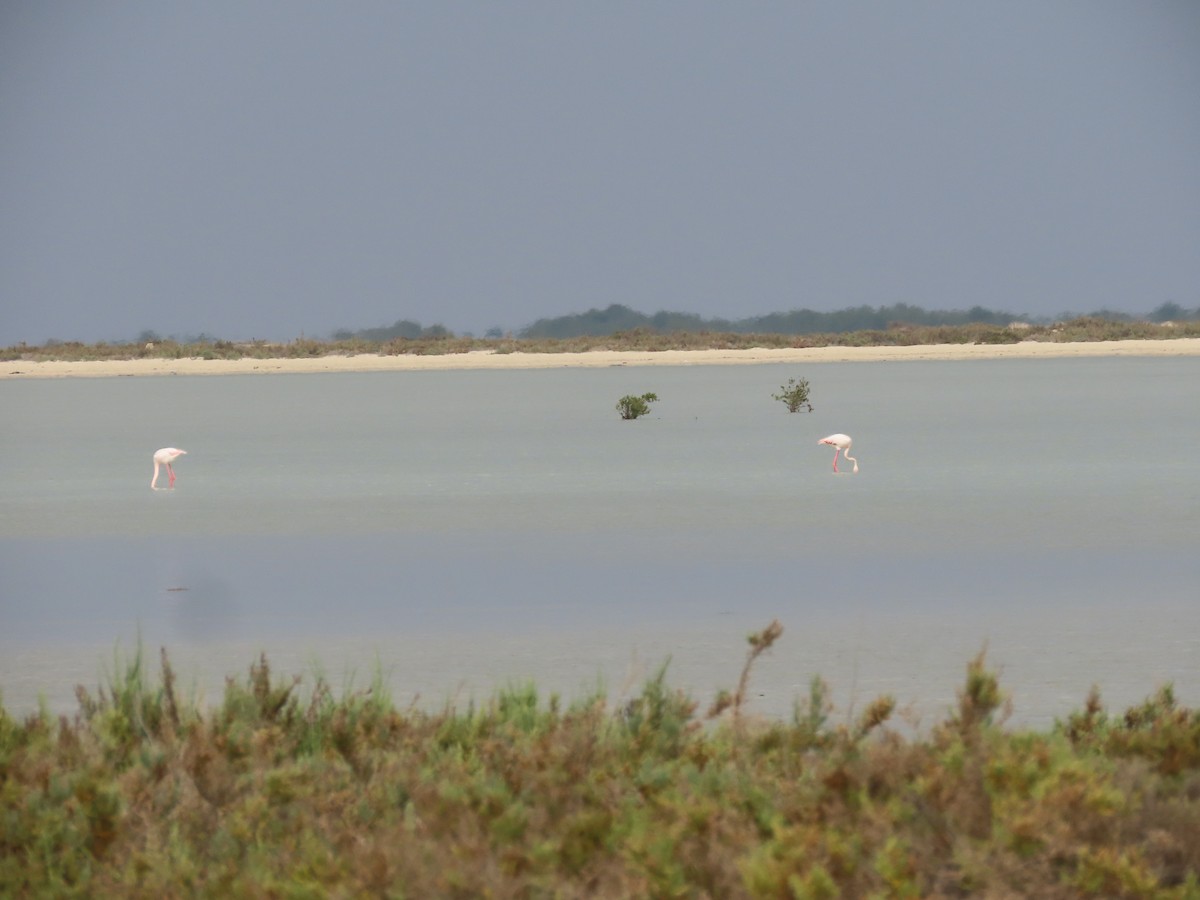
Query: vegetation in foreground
point(273, 793)
point(438, 341)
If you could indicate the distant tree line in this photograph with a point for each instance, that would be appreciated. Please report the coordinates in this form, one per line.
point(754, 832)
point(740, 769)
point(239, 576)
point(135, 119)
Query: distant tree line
point(617, 318)
point(404, 328)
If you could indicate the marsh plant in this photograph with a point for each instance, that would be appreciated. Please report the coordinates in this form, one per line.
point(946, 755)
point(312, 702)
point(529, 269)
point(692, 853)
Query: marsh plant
point(630, 407)
point(288, 789)
point(794, 395)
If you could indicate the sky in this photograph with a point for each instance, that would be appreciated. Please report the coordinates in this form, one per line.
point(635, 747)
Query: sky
point(278, 168)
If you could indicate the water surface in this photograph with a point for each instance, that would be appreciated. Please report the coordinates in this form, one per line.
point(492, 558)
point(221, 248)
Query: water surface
point(464, 529)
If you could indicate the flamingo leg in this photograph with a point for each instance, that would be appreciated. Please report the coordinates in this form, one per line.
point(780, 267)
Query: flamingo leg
point(154, 480)
point(835, 456)
point(171, 473)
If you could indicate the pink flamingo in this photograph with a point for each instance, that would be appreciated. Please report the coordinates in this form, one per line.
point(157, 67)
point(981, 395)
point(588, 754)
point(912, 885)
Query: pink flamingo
point(165, 457)
point(842, 442)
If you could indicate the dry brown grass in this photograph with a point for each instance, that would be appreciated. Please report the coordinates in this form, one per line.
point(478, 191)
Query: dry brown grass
point(1082, 329)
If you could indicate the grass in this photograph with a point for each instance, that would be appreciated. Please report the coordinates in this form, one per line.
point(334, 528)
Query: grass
point(288, 790)
point(1088, 328)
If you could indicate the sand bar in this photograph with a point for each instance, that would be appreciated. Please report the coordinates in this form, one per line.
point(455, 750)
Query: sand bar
point(486, 359)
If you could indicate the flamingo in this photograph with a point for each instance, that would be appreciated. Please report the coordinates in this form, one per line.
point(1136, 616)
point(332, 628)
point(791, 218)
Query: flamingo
point(165, 457)
point(842, 442)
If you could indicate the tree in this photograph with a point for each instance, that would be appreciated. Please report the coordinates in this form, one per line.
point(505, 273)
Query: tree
point(1168, 312)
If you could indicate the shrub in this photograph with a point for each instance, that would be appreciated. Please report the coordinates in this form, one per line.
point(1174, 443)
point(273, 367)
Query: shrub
point(147, 792)
point(630, 407)
point(794, 395)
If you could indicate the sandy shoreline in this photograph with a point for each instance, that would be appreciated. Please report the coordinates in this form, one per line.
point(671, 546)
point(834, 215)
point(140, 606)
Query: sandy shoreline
point(594, 359)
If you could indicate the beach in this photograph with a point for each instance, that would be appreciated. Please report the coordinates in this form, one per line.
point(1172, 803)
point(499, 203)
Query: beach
point(487, 359)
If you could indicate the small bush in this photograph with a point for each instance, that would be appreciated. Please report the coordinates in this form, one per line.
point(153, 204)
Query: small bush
point(794, 395)
point(630, 407)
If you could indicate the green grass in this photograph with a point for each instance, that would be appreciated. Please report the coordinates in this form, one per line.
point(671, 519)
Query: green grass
point(1088, 328)
point(286, 789)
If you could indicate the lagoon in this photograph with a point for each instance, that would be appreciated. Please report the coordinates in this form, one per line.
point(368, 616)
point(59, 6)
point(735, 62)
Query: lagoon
point(461, 530)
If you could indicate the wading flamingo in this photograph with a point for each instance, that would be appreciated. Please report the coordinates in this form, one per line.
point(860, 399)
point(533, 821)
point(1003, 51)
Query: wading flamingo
point(165, 457)
point(842, 442)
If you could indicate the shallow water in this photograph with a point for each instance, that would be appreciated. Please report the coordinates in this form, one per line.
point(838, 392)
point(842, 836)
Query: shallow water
point(460, 530)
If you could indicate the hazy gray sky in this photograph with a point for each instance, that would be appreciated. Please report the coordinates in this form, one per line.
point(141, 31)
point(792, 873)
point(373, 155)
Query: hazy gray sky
point(262, 169)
